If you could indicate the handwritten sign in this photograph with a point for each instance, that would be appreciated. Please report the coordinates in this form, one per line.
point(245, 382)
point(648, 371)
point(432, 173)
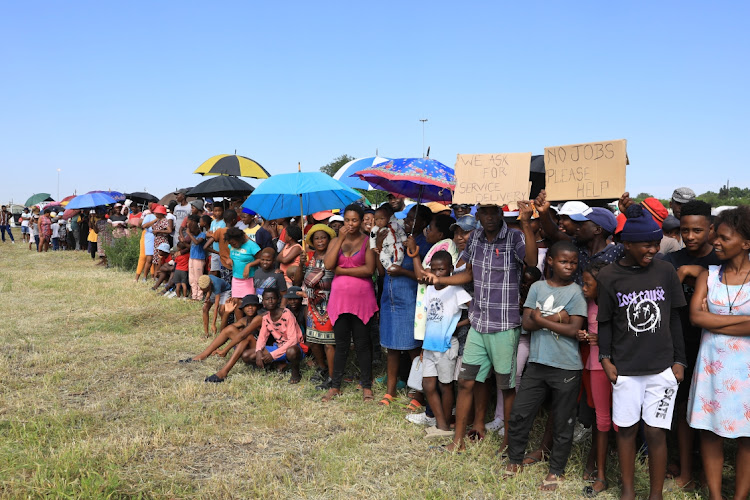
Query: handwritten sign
point(595, 170)
point(492, 179)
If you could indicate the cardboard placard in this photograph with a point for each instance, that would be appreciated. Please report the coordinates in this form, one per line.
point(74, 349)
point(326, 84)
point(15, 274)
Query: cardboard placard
point(595, 170)
point(492, 179)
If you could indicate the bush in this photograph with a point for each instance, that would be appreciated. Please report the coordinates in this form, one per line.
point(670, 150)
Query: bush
point(124, 252)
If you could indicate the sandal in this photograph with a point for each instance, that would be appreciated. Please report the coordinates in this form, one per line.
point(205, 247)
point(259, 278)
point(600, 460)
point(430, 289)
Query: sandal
point(531, 460)
point(415, 406)
point(589, 475)
point(590, 492)
point(331, 394)
point(186, 360)
point(367, 395)
point(386, 401)
point(214, 379)
point(508, 473)
point(546, 483)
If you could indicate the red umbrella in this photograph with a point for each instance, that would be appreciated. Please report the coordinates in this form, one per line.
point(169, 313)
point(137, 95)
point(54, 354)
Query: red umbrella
point(67, 214)
point(65, 200)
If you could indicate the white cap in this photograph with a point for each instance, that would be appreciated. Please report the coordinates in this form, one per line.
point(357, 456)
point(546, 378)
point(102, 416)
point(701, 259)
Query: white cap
point(574, 210)
point(335, 218)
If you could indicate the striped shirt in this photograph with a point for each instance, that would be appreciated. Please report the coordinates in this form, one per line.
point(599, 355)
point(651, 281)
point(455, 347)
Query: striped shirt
point(497, 267)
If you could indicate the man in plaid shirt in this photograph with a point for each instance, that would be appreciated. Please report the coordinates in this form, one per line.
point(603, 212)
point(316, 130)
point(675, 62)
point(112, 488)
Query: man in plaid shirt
point(495, 257)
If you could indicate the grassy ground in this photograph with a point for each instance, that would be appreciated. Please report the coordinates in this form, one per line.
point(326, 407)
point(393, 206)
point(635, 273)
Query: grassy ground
point(94, 404)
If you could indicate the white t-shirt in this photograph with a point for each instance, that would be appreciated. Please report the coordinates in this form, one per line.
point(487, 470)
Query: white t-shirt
point(180, 213)
point(25, 218)
point(55, 229)
point(443, 310)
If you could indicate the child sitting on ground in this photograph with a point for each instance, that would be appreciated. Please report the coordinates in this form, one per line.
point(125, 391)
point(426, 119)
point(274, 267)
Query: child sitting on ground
point(554, 312)
point(442, 305)
point(282, 326)
point(216, 292)
point(641, 347)
point(181, 267)
point(392, 251)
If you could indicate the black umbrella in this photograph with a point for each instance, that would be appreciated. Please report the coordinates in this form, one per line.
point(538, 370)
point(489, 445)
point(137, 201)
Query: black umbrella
point(222, 185)
point(141, 197)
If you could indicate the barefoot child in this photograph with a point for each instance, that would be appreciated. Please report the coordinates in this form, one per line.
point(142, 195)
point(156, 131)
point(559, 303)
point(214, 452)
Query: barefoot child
point(598, 388)
point(282, 326)
point(442, 307)
point(553, 312)
point(641, 346)
point(216, 292)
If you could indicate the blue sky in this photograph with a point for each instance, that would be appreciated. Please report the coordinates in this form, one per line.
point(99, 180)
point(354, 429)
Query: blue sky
point(135, 95)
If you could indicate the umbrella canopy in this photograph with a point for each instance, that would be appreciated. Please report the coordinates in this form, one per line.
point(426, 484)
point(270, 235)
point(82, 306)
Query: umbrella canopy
point(169, 197)
point(64, 201)
point(69, 212)
point(141, 197)
point(232, 165)
point(223, 185)
point(118, 196)
point(418, 178)
point(346, 173)
point(55, 207)
point(36, 198)
point(280, 195)
point(91, 200)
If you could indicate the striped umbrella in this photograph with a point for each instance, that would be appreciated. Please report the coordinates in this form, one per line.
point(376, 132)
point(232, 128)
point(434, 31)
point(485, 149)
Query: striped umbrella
point(235, 165)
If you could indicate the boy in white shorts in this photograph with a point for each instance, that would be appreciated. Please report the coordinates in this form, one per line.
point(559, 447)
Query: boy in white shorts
point(442, 306)
point(641, 347)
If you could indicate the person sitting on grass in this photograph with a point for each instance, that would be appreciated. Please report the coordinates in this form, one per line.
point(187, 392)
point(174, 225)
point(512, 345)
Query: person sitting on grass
point(235, 333)
point(165, 266)
point(442, 308)
point(282, 326)
point(216, 292)
point(554, 312)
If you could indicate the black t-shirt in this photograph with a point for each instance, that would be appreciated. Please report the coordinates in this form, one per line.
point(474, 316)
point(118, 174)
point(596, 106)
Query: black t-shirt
point(638, 303)
point(692, 334)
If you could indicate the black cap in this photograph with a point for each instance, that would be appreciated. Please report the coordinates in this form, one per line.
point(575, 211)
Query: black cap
point(291, 292)
point(250, 300)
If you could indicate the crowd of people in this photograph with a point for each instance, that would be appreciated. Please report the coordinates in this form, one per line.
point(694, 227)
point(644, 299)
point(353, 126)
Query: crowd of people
point(635, 324)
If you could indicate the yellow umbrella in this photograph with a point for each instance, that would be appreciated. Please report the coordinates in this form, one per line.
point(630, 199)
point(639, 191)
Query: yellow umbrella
point(239, 166)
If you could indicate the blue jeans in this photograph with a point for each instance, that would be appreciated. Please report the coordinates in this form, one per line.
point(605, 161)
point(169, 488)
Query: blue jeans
point(55, 243)
point(6, 228)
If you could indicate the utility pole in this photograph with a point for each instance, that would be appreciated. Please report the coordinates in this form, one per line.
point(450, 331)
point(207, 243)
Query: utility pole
point(423, 120)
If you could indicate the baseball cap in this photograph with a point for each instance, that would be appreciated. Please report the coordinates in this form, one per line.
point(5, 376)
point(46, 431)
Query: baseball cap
point(291, 292)
point(198, 204)
point(250, 300)
point(467, 223)
point(335, 218)
point(323, 215)
point(574, 210)
point(683, 195)
point(602, 218)
point(164, 247)
point(670, 223)
point(183, 191)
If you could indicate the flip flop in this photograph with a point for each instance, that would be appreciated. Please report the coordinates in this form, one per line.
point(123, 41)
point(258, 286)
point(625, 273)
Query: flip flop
point(590, 492)
point(529, 460)
point(386, 401)
point(415, 406)
point(589, 475)
point(214, 379)
point(367, 395)
point(551, 482)
point(434, 432)
point(187, 360)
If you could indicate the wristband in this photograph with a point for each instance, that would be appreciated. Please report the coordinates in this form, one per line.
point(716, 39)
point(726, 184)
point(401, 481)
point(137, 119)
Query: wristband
point(604, 356)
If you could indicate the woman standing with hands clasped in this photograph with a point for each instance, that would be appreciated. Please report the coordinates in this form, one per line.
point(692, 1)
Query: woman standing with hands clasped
point(719, 402)
point(352, 301)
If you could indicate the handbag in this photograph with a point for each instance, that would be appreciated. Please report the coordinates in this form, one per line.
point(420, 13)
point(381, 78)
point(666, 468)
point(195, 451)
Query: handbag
point(313, 276)
point(415, 374)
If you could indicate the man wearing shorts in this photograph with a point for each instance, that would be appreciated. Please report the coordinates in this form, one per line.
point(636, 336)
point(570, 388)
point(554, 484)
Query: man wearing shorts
point(495, 257)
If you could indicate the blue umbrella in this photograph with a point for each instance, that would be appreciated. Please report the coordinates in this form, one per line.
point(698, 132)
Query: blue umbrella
point(90, 200)
point(346, 173)
point(421, 179)
point(118, 196)
point(289, 195)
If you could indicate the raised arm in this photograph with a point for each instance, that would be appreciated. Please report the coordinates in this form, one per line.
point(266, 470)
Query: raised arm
point(531, 254)
point(550, 228)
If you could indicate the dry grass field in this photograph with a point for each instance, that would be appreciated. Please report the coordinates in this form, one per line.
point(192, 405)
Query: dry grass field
point(93, 404)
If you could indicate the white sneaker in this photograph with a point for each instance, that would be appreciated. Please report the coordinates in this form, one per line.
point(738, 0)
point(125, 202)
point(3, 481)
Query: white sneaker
point(171, 295)
point(495, 425)
point(580, 432)
point(421, 419)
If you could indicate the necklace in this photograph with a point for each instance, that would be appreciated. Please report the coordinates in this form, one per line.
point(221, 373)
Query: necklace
point(726, 284)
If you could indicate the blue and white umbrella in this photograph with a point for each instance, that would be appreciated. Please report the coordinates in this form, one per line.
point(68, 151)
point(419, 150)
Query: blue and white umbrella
point(345, 173)
point(90, 200)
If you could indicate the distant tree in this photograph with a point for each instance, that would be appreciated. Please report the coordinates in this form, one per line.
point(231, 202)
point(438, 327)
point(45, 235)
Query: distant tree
point(335, 164)
point(642, 196)
point(375, 197)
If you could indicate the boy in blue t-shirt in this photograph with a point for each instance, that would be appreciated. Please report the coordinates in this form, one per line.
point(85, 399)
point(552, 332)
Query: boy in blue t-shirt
point(554, 311)
point(443, 305)
point(197, 237)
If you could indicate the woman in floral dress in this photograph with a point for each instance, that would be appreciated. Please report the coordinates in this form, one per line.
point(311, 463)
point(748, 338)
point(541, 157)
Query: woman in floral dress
point(162, 228)
point(719, 403)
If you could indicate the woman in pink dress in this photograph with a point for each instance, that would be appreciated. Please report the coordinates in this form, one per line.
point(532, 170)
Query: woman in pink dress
point(719, 402)
point(352, 301)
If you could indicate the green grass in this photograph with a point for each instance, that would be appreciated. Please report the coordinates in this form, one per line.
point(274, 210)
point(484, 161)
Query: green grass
point(93, 404)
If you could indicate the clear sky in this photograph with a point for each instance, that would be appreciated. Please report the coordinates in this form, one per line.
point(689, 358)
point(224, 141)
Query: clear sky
point(135, 95)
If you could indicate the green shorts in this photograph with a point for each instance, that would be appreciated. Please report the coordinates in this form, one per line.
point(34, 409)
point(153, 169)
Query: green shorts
point(496, 350)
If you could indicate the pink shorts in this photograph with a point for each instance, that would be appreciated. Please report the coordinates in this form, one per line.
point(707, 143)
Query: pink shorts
point(242, 287)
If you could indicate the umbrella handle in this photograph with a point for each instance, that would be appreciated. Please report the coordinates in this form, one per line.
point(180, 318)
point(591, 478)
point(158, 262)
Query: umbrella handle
point(302, 220)
point(412, 255)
